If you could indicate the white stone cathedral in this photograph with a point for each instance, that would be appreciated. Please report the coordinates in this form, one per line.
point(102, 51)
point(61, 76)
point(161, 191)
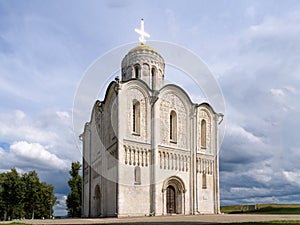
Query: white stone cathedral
point(148, 149)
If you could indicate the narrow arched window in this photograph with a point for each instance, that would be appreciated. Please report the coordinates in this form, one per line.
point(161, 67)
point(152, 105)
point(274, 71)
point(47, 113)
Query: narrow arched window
point(173, 126)
point(204, 182)
point(137, 71)
point(153, 77)
point(137, 175)
point(97, 201)
point(136, 117)
point(203, 134)
point(153, 71)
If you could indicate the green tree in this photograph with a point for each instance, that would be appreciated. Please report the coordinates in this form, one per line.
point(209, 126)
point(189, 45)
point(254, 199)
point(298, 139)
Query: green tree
point(31, 185)
point(45, 201)
point(74, 198)
point(2, 209)
point(39, 197)
point(12, 194)
point(25, 196)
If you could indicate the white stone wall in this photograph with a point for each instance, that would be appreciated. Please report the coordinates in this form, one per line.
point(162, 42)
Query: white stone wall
point(162, 176)
point(134, 150)
point(168, 102)
point(205, 196)
point(99, 141)
point(114, 150)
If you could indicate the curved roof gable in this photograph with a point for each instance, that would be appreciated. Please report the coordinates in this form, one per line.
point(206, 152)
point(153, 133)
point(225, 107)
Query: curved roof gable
point(177, 89)
point(140, 83)
point(207, 106)
point(109, 89)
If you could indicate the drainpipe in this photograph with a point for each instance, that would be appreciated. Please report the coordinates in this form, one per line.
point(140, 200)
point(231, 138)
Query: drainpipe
point(217, 184)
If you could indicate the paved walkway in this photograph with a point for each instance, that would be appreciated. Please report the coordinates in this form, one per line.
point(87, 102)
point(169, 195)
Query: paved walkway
point(172, 220)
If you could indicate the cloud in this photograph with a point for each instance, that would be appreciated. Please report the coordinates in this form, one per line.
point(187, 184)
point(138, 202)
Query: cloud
point(36, 154)
point(241, 149)
point(60, 208)
point(293, 177)
point(32, 156)
point(45, 144)
point(51, 128)
point(278, 93)
point(16, 126)
point(63, 115)
point(2, 152)
point(259, 82)
point(41, 58)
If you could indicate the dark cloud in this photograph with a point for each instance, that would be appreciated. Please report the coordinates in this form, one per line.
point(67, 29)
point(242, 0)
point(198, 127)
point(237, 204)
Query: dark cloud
point(259, 155)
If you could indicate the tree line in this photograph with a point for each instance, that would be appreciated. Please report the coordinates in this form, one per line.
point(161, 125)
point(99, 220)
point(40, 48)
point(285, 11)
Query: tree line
point(74, 198)
point(25, 196)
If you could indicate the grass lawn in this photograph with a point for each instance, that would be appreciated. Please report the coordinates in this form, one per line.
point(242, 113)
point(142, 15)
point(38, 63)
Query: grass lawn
point(263, 209)
point(12, 223)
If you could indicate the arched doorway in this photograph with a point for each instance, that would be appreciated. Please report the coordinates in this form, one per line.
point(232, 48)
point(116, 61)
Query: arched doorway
point(171, 200)
point(97, 202)
point(173, 196)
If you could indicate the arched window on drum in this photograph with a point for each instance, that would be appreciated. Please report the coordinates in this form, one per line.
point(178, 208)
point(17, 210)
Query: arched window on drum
point(137, 71)
point(153, 77)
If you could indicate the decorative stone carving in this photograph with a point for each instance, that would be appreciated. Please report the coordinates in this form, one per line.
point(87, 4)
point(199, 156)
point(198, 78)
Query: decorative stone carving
point(168, 102)
point(170, 159)
point(204, 164)
point(136, 156)
point(134, 94)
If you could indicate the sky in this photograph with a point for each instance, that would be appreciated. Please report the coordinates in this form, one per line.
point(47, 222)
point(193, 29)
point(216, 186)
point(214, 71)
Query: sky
point(252, 48)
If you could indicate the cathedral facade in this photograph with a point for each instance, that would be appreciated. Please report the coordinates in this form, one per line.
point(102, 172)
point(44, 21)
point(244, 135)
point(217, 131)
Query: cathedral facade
point(148, 149)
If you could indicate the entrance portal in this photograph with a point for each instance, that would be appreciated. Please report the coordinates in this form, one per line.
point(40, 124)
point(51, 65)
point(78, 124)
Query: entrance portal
point(173, 192)
point(97, 204)
point(171, 199)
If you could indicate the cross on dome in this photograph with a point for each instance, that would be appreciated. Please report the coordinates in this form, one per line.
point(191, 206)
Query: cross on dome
point(142, 33)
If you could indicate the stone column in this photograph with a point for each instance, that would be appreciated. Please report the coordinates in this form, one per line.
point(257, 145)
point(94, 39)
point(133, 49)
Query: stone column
point(193, 153)
point(153, 154)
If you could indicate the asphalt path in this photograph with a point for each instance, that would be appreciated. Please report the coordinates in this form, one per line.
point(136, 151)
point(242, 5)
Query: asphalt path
point(171, 220)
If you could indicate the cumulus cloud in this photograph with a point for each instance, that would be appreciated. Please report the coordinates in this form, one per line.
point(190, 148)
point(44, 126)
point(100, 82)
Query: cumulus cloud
point(259, 152)
point(60, 208)
point(15, 125)
point(45, 144)
point(48, 128)
point(32, 156)
point(36, 154)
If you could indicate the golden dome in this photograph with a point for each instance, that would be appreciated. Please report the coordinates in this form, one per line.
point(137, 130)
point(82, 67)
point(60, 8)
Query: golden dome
point(143, 47)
